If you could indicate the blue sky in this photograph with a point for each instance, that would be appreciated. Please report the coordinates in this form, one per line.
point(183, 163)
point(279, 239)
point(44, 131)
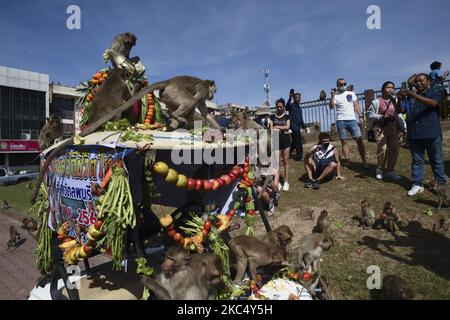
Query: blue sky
point(306, 45)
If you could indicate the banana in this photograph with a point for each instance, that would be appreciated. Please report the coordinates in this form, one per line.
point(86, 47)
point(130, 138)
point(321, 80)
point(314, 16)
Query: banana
point(67, 244)
point(69, 255)
point(94, 233)
point(81, 255)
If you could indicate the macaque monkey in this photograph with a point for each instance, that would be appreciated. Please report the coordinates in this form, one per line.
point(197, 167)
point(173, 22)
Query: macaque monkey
point(208, 268)
point(51, 131)
point(280, 236)
point(110, 95)
point(311, 250)
point(395, 288)
point(119, 52)
point(29, 224)
point(185, 277)
point(441, 222)
point(367, 218)
point(181, 95)
point(322, 223)
point(5, 205)
point(322, 95)
point(254, 253)
point(442, 192)
point(14, 236)
point(175, 279)
point(391, 221)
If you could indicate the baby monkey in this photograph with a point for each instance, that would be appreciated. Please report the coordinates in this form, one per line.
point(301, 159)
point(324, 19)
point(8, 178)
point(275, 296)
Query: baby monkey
point(367, 219)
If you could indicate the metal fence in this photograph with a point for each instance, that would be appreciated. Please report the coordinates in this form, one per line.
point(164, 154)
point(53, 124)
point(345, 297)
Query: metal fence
point(319, 111)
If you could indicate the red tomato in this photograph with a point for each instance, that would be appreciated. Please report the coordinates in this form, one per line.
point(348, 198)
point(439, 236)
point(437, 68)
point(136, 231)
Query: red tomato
point(171, 233)
point(178, 237)
point(307, 276)
point(198, 184)
point(191, 184)
point(205, 232)
point(207, 225)
point(98, 224)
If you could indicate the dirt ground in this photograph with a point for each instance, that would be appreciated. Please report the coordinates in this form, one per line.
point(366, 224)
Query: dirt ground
point(417, 254)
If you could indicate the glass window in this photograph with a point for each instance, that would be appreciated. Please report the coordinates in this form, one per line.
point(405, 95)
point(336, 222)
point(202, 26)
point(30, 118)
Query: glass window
point(5, 134)
point(17, 134)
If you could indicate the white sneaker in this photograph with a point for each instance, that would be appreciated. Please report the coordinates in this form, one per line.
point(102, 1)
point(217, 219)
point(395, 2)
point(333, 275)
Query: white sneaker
point(379, 174)
point(391, 175)
point(286, 186)
point(279, 186)
point(415, 190)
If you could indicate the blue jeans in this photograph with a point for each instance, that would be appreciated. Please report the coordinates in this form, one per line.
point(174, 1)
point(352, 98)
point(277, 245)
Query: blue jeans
point(350, 125)
point(434, 151)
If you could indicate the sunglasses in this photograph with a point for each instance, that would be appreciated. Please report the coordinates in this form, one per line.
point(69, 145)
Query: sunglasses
point(280, 107)
point(342, 84)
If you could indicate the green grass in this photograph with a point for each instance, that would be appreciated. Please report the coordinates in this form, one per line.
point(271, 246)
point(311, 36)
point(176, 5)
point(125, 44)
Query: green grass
point(419, 256)
point(18, 196)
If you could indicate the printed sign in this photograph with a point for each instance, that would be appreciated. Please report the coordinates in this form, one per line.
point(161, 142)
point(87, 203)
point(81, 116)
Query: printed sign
point(71, 178)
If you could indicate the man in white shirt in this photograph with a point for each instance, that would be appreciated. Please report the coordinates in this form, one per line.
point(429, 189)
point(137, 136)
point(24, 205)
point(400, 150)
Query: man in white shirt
point(346, 104)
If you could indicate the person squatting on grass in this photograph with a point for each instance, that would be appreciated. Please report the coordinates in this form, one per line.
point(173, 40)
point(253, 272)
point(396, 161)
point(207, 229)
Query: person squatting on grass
point(346, 104)
point(383, 112)
point(280, 122)
point(322, 161)
point(424, 131)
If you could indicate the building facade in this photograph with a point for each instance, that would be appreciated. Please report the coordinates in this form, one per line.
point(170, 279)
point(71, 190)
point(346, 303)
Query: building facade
point(26, 100)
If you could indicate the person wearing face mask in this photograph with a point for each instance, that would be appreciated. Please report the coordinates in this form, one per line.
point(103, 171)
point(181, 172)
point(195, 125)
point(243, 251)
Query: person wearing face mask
point(384, 114)
point(280, 124)
point(322, 161)
point(346, 104)
point(424, 132)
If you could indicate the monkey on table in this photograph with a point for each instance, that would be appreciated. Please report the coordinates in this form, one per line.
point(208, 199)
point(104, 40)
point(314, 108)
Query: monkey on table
point(181, 94)
point(185, 277)
point(253, 252)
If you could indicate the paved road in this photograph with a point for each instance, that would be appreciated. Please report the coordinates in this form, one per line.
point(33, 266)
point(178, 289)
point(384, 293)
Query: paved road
point(17, 270)
point(18, 274)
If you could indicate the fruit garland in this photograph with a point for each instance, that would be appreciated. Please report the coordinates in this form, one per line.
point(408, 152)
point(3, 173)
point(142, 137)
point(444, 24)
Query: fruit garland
point(181, 181)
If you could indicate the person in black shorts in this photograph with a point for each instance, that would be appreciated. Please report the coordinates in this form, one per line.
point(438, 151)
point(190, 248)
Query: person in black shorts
point(280, 124)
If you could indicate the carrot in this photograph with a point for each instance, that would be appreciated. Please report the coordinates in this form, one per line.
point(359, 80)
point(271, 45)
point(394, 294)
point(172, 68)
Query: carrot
point(151, 110)
point(95, 81)
point(108, 176)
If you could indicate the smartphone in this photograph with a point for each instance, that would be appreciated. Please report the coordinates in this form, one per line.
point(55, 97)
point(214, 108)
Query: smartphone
point(404, 86)
point(291, 91)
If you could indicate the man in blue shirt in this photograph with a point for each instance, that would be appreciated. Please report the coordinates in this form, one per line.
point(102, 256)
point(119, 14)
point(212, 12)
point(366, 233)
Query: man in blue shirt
point(223, 121)
point(424, 132)
point(295, 113)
